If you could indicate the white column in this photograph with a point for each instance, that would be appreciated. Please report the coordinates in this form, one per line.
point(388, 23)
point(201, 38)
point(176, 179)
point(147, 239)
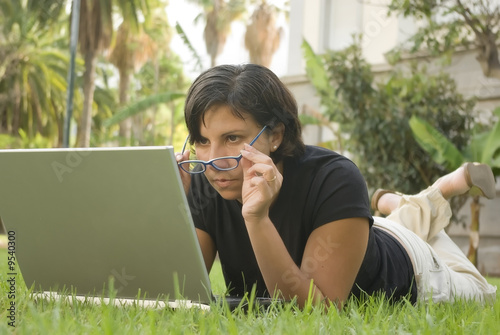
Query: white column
point(296, 24)
point(306, 19)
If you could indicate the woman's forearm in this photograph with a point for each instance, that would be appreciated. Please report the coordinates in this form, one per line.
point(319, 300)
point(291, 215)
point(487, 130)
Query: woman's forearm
point(277, 266)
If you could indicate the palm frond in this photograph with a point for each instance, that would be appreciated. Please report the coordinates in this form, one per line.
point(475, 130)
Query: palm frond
point(187, 43)
point(142, 105)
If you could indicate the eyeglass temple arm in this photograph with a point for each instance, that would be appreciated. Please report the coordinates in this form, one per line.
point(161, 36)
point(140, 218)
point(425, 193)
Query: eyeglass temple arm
point(184, 146)
point(251, 143)
point(256, 137)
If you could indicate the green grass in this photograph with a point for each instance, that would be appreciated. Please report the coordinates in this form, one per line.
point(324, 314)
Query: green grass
point(373, 316)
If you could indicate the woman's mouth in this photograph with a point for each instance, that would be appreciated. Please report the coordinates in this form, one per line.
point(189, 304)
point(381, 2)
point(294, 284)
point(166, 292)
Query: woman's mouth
point(223, 183)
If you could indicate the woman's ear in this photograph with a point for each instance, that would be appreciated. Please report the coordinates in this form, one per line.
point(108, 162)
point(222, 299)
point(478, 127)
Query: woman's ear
point(277, 136)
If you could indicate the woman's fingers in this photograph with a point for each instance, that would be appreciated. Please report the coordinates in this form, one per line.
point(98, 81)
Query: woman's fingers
point(260, 171)
point(261, 165)
point(262, 183)
point(255, 155)
point(185, 177)
point(179, 156)
point(268, 173)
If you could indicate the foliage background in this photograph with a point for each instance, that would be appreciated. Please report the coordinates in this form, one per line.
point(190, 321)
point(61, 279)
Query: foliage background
point(373, 116)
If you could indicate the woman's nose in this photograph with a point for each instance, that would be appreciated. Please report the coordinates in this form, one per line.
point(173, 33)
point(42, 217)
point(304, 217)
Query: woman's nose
point(217, 151)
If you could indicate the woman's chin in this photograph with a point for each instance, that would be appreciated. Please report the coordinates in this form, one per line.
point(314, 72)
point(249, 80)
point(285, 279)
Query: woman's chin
point(229, 194)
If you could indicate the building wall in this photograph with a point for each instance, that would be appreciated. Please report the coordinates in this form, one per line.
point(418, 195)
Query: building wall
point(487, 90)
point(331, 24)
point(489, 234)
point(328, 24)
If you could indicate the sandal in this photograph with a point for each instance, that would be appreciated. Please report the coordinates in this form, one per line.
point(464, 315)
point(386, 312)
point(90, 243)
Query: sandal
point(480, 179)
point(376, 197)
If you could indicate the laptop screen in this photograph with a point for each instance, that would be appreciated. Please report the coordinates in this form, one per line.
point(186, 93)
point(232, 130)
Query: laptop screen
point(83, 216)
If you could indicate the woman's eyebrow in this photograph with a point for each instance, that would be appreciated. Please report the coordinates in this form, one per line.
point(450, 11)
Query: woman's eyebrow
point(201, 137)
point(233, 132)
point(239, 132)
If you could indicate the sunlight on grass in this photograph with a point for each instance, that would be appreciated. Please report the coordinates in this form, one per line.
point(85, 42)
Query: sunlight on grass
point(373, 315)
point(217, 279)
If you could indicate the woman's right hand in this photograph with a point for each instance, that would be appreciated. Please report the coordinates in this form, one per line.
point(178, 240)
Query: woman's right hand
point(185, 177)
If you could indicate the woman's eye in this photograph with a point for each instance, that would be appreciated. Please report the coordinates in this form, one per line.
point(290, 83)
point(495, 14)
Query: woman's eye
point(232, 138)
point(203, 141)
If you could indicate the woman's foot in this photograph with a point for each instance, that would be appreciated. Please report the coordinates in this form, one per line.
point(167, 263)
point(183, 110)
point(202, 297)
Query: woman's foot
point(385, 201)
point(481, 180)
point(475, 178)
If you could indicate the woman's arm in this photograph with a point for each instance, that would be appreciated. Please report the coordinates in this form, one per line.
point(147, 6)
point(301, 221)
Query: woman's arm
point(332, 258)
point(333, 253)
point(207, 246)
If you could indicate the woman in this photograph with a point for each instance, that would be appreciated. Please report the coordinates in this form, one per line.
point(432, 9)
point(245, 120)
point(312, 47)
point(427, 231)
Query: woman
point(288, 218)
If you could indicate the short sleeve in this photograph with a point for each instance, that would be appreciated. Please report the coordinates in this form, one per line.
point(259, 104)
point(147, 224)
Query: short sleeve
point(340, 192)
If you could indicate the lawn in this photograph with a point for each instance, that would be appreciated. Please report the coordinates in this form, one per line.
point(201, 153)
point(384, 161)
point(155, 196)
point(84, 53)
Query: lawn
point(373, 316)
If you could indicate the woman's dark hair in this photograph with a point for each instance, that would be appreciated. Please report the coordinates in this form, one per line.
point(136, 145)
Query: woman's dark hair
point(247, 89)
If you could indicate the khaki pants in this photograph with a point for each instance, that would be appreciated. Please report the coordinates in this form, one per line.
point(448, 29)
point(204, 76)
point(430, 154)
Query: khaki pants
point(442, 271)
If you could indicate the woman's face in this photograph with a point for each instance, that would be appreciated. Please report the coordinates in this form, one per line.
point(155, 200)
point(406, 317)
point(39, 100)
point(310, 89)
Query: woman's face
point(224, 134)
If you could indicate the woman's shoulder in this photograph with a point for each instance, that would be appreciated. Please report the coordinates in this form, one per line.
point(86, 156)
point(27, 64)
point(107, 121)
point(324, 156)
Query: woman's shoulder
point(319, 157)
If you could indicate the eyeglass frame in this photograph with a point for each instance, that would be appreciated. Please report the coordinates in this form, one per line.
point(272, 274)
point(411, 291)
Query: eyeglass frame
point(211, 162)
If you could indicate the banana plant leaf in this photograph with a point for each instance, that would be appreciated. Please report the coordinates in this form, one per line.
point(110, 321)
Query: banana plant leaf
point(142, 105)
point(491, 146)
point(315, 68)
point(442, 151)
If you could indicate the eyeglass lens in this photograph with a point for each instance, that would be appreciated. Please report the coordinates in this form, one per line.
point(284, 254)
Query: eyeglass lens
point(220, 164)
point(223, 163)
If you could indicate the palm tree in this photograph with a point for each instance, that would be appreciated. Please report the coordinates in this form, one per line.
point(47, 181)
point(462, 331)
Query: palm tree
point(94, 36)
point(130, 52)
point(262, 37)
point(219, 15)
point(33, 69)
point(165, 75)
point(160, 80)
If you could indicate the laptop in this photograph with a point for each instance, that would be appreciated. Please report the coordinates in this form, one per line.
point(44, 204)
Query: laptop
point(84, 218)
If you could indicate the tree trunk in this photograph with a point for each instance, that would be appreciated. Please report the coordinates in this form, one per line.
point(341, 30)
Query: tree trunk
point(172, 123)
point(35, 105)
point(474, 230)
point(126, 125)
point(138, 129)
point(88, 99)
point(3, 120)
point(16, 112)
point(155, 90)
point(488, 55)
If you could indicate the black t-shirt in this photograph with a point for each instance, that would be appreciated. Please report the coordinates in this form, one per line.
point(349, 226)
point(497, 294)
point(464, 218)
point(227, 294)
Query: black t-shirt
point(319, 187)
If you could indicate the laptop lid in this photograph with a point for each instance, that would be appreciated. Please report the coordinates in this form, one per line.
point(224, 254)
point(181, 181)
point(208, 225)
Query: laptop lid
point(81, 216)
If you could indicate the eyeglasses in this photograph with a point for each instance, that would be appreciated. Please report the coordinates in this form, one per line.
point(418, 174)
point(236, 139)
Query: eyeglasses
point(226, 163)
